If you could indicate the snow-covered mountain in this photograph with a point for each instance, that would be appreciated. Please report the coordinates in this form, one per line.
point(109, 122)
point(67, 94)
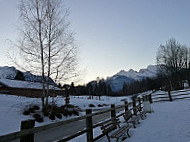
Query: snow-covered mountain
point(117, 80)
point(11, 72)
point(150, 72)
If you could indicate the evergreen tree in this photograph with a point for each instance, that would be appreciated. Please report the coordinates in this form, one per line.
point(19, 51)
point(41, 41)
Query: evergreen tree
point(109, 90)
point(124, 88)
point(19, 76)
point(72, 89)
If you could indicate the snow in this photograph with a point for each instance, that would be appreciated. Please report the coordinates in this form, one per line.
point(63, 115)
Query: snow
point(168, 123)
point(150, 71)
point(8, 72)
point(11, 114)
point(24, 84)
point(11, 108)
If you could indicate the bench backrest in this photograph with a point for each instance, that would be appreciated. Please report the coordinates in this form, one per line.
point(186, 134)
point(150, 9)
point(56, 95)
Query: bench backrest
point(127, 116)
point(110, 125)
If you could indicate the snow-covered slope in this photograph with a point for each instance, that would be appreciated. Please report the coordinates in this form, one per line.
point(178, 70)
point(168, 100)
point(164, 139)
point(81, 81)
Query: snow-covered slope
point(11, 72)
point(7, 72)
point(150, 72)
point(117, 80)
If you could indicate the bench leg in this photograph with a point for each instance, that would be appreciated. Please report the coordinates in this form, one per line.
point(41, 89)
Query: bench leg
point(108, 137)
point(128, 133)
point(134, 125)
point(142, 117)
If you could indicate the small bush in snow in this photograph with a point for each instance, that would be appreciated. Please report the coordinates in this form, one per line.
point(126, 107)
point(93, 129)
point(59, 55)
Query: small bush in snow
point(99, 105)
point(75, 112)
point(105, 105)
point(38, 117)
point(52, 116)
point(31, 110)
point(36, 107)
point(58, 115)
point(91, 105)
point(26, 112)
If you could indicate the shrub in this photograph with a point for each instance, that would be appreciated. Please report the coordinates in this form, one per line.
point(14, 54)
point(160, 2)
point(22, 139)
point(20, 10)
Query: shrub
point(70, 113)
point(52, 116)
point(31, 110)
point(75, 113)
point(46, 113)
point(91, 105)
point(105, 105)
point(58, 115)
point(38, 117)
point(65, 113)
point(36, 107)
point(99, 105)
point(68, 106)
point(26, 112)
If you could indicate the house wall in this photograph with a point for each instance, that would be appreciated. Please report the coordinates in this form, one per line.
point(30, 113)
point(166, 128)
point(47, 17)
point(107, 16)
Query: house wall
point(28, 92)
point(33, 93)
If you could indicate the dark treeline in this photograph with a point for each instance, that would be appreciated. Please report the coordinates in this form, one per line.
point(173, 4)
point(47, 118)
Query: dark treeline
point(94, 88)
point(101, 88)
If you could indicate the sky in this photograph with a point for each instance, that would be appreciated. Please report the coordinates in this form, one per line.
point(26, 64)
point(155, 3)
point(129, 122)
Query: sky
point(111, 35)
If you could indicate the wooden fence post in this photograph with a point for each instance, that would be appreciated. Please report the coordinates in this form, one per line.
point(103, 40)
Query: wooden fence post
point(140, 107)
point(143, 98)
point(27, 124)
point(126, 106)
point(113, 114)
point(170, 96)
point(89, 126)
point(150, 98)
point(134, 106)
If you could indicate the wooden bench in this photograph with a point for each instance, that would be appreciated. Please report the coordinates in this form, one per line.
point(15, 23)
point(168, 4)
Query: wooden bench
point(114, 125)
point(129, 118)
point(142, 113)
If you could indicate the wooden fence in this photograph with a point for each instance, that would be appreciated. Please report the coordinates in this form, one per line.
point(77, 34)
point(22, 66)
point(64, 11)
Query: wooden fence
point(171, 95)
point(89, 124)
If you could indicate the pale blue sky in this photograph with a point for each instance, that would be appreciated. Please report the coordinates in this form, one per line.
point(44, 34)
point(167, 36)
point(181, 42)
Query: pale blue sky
point(113, 34)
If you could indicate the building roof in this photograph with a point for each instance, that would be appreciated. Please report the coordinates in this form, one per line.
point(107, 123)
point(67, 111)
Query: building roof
point(25, 84)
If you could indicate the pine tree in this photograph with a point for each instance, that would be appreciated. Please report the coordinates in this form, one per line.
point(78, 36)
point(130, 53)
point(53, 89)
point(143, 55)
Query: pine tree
point(19, 76)
point(124, 88)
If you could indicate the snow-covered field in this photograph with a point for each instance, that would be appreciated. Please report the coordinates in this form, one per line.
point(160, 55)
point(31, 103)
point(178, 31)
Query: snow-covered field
point(168, 123)
point(11, 109)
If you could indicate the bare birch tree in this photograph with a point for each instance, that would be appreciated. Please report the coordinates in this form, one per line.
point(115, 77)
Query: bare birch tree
point(61, 50)
point(46, 44)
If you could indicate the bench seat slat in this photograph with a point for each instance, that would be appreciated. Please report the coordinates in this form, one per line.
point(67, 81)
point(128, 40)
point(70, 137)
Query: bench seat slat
point(113, 125)
point(120, 132)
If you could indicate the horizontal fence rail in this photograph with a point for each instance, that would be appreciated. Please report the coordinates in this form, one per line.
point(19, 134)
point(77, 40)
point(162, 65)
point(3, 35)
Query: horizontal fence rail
point(171, 95)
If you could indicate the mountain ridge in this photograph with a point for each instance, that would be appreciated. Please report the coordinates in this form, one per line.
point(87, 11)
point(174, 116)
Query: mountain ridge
point(116, 81)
